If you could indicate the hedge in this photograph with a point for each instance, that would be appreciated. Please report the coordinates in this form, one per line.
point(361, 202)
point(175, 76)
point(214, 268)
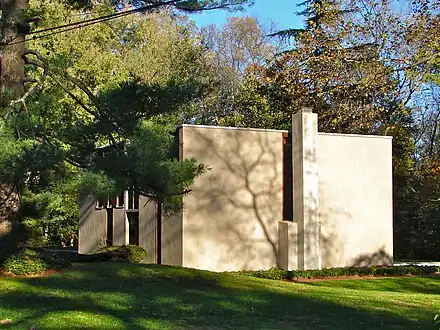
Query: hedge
point(281, 274)
point(130, 253)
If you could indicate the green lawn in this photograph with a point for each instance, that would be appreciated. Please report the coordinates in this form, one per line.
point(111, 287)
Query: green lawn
point(127, 296)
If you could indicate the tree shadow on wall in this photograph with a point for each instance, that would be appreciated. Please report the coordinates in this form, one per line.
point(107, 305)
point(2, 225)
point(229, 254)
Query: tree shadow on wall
point(239, 202)
point(379, 257)
point(240, 197)
point(233, 211)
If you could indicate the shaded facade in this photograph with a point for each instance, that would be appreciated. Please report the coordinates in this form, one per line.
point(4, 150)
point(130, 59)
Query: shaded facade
point(303, 200)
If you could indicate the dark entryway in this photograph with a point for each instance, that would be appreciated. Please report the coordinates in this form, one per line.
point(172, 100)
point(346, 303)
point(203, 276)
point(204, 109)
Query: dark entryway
point(133, 228)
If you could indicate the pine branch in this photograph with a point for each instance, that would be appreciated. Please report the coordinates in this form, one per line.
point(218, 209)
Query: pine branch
point(288, 33)
point(80, 85)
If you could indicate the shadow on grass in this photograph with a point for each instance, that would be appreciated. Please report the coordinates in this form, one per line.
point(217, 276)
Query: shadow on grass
point(415, 284)
point(125, 296)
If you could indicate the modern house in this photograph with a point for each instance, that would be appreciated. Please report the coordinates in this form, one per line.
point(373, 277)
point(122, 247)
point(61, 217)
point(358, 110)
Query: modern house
point(299, 200)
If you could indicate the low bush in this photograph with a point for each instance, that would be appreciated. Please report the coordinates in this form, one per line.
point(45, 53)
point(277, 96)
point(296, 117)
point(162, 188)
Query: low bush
point(130, 253)
point(24, 262)
point(30, 262)
point(281, 274)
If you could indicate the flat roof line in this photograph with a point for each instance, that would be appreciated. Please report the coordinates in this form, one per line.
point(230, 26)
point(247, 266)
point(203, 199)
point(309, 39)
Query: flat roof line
point(359, 135)
point(234, 128)
point(282, 131)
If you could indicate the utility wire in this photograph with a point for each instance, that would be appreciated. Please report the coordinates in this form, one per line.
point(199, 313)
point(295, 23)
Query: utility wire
point(35, 37)
point(87, 22)
point(69, 29)
point(96, 20)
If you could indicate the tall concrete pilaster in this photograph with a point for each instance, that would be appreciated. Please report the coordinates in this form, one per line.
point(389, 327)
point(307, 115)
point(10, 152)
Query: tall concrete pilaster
point(92, 226)
point(119, 227)
point(305, 187)
point(147, 227)
point(125, 226)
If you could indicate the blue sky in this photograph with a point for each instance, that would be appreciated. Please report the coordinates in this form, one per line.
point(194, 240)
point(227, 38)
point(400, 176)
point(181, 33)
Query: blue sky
point(279, 12)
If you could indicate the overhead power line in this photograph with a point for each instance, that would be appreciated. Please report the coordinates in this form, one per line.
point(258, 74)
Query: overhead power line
point(38, 34)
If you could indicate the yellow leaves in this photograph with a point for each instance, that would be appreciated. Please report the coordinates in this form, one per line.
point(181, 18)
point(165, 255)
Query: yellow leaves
point(436, 171)
point(432, 166)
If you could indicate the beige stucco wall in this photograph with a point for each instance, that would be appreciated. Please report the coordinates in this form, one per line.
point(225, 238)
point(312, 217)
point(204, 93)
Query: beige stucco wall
point(230, 219)
point(355, 199)
point(305, 187)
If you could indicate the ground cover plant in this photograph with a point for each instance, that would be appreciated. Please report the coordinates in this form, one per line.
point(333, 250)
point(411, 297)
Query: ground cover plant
point(27, 261)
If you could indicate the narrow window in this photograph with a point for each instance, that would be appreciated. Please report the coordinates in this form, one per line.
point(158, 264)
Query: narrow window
point(109, 240)
point(287, 178)
point(158, 233)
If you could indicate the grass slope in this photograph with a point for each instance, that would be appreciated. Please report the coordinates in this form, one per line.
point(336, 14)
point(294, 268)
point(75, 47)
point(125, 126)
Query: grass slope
point(128, 296)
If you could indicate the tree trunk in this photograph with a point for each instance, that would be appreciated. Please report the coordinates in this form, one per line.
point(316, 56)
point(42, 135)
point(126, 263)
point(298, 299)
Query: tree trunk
point(12, 29)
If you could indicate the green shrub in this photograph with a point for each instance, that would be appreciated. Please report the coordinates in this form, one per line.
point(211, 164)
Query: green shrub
point(109, 248)
point(24, 262)
point(29, 262)
point(272, 274)
point(280, 274)
point(131, 253)
point(35, 237)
